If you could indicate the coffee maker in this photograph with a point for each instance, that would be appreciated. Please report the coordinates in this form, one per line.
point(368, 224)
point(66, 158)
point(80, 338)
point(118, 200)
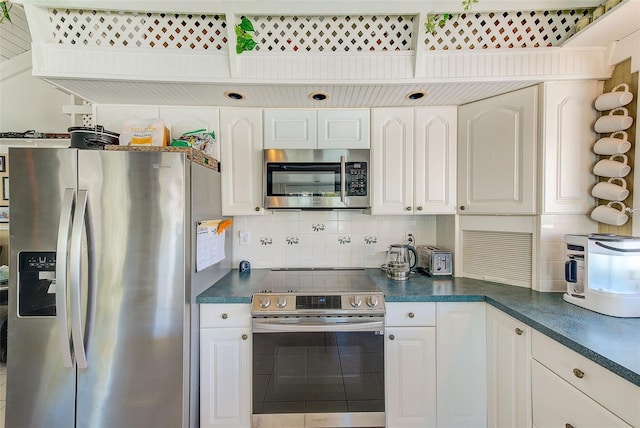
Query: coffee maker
point(602, 273)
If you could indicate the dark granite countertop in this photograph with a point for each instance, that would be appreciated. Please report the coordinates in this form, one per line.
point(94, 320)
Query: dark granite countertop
point(612, 342)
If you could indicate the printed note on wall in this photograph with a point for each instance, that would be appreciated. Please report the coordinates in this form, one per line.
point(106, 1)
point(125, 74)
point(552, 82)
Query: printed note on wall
point(209, 244)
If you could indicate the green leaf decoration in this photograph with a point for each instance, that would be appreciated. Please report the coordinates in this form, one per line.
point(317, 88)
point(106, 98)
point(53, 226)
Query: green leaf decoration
point(246, 25)
point(245, 40)
point(5, 12)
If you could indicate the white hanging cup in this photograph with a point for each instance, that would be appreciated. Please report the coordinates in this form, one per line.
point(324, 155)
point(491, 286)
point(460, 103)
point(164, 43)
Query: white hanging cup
point(612, 168)
point(609, 215)
point(613, 122)
point(609, 191)
point(615, 98)
point(612, 146)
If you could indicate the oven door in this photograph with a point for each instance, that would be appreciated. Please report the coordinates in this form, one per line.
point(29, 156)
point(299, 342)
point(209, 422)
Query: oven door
point(318, 372)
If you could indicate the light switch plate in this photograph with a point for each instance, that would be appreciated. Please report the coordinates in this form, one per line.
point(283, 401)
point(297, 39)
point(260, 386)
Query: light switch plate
point(244, 238)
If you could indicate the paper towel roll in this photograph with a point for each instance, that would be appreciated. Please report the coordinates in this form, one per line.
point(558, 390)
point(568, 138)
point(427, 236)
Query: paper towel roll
point(615, 98)
point(613, 122)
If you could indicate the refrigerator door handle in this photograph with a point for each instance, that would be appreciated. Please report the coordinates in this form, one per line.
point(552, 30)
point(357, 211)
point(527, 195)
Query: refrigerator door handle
point(75, 274)
point(61, 276)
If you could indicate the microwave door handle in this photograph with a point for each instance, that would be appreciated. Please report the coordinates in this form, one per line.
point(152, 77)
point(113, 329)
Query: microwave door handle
point(75, 264)
point(64, 228)
point(620, 250)
point(343, 176)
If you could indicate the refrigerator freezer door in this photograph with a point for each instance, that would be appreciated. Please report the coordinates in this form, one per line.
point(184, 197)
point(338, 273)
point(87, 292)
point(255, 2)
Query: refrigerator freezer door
point(136, 327)
point(40, 390)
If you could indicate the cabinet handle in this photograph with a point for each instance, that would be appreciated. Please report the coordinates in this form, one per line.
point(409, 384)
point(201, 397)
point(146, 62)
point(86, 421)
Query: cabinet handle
point(519, 331)
point(245, 337)
point(408, 208)
point(462, 207)
point(225, 316)
point(257, 209)
point(578, 373)
point(568, 426)
point(391, 337)
point(411, 315)
point(420, 208)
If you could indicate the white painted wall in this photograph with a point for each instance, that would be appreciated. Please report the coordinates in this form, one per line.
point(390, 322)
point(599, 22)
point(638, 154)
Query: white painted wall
point(27, 102)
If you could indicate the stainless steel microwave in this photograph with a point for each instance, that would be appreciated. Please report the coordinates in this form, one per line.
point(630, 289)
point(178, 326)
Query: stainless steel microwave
point(316, 179)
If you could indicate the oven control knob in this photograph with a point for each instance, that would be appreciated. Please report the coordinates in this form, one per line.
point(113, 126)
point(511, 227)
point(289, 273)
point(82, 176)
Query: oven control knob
point(372, 301)
point(356, 301)
point(281, 302)
point(264, 302)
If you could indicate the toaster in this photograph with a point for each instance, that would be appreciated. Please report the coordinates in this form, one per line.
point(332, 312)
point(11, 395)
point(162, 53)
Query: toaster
point(434, 261)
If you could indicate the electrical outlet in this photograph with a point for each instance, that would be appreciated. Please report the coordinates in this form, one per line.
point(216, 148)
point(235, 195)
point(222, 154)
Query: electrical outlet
point(411, 240)
point(244, 238)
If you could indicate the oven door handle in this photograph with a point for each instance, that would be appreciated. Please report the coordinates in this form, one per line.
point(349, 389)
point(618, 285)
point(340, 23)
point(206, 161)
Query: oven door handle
point(260, 326)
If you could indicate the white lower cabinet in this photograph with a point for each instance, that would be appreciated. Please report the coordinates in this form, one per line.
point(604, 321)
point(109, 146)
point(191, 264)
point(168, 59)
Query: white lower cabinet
point(225, 366)
point(410, 365)
point(508, 371)
point(569, 390)
point(462, 364)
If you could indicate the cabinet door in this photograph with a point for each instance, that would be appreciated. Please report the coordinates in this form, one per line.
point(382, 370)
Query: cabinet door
point(225, 377)
point(289, 129)
point(392, 159)
point(241, 161)
point(461, 370)
point(558, 404)
point(343, 129)
point(497, 154)
point(567, 134)
point(434, 154)
point(508, 371)
point(410, 373)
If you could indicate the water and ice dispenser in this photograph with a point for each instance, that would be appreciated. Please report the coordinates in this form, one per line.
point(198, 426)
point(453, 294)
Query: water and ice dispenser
point(36, 283)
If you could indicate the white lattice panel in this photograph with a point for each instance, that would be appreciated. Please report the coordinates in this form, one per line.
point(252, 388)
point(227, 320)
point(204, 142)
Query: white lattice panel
point(505, 30)
point(332, 33)
point(143, 30)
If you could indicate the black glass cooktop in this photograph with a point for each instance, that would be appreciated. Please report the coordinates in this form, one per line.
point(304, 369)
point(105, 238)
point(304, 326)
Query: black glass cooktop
point(320, 281)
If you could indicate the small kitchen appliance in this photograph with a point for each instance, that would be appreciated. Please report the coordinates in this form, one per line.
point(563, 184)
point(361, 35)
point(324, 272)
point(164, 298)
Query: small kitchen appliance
point(316, 179)
point(433, 261)
point(602, 272)
point(401, 259)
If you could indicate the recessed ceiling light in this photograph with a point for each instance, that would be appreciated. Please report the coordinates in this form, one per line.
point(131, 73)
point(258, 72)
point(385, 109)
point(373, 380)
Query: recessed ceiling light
point(416, 95)
point(234, 96)
point(318, 96)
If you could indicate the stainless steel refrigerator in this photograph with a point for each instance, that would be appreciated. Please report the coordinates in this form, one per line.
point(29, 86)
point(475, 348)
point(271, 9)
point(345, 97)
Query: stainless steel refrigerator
point(103, 326)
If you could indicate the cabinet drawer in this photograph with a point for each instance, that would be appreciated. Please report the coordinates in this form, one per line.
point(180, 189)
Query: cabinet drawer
point(231, 315)
point(613, 392)
point(558, 404)
point(410, 313)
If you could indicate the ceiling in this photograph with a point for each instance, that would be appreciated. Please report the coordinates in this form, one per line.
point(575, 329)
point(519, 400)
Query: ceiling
point(15, 38)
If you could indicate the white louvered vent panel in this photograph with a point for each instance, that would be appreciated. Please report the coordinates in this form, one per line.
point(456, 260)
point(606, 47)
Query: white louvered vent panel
point(505, 30)
point(332, 33)
point(142, 30)
point(498, 256)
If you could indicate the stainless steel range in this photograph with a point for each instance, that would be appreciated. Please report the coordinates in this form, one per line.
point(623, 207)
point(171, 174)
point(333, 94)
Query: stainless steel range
point(318, 350)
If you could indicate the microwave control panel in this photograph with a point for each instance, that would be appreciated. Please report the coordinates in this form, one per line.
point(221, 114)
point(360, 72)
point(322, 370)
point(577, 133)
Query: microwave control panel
point(356, 173)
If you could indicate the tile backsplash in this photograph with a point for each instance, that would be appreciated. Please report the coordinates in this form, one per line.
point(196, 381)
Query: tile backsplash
point(324, 238)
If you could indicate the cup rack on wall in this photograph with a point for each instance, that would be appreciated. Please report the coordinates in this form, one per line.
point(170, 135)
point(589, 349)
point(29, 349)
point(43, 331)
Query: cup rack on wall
point(613, 166)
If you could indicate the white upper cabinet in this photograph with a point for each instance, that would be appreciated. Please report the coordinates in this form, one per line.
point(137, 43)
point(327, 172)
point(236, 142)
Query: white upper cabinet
point(567, 134)
point(497, 154)
point(413, 153)
point(434, 155)
point(241, 161)
point(392, 161)
point(316, 129)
